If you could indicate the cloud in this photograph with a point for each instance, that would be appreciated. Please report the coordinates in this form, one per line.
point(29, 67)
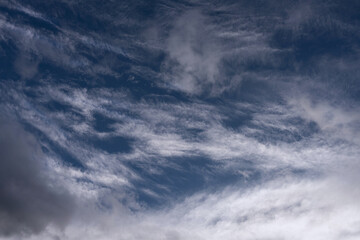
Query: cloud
point(210, 54)
point(194, 55)
point(34, 46)
point(30, 199)
point(274, 118)
point(26, 66)
point(162, 131)
point(286, 208)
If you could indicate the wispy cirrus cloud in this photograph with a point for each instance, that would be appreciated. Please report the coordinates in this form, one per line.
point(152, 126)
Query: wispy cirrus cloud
point(246, 109)
point(164, 131)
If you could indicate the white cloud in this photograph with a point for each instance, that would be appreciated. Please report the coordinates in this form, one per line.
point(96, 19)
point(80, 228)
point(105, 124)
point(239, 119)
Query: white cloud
point(286, 208)
point(194, 54)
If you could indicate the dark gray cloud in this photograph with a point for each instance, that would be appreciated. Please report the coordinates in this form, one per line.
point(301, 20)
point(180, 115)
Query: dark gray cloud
point(29, 199)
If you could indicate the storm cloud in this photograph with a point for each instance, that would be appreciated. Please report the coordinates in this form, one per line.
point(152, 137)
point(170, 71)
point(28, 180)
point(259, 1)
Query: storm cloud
point(29, 198)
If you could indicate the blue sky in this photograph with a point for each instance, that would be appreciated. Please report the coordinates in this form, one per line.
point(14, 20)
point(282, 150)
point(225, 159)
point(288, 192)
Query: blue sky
point(179, 120)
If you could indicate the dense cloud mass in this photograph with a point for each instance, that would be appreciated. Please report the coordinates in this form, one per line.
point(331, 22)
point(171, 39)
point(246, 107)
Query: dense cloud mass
point(28, 199)
point(180, 119)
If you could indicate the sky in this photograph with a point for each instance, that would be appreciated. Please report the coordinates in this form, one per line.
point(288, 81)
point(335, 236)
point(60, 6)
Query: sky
point(177, 120)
